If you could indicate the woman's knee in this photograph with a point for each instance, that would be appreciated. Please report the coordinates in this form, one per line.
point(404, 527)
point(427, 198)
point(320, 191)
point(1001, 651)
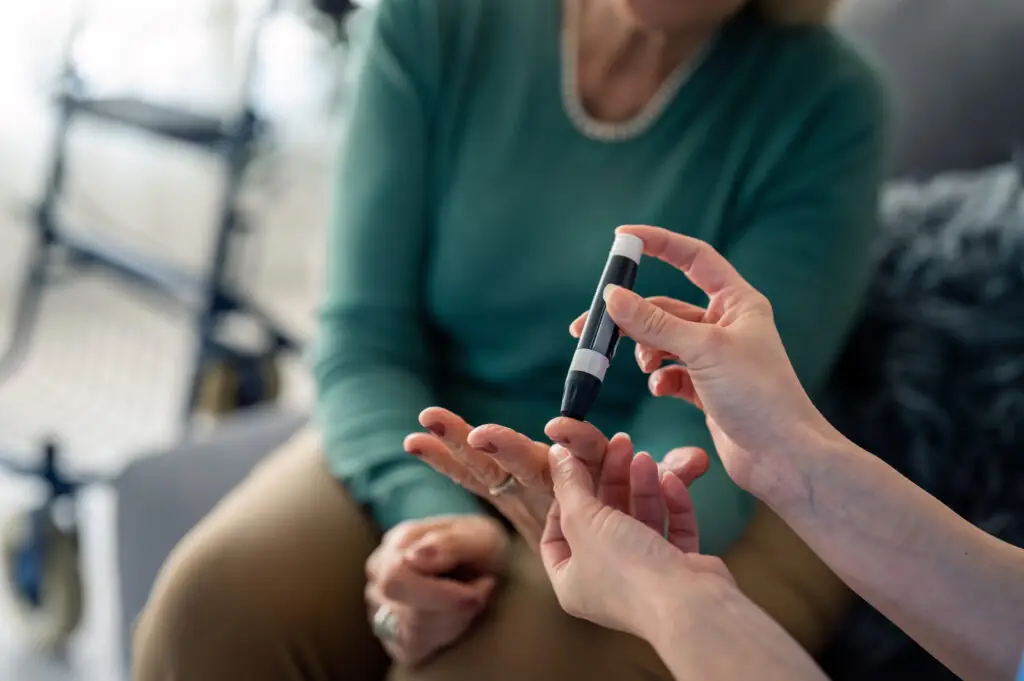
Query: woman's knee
point(274, 575)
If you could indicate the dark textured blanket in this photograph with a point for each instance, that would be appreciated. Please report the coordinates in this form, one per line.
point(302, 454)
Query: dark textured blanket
point(933, 378)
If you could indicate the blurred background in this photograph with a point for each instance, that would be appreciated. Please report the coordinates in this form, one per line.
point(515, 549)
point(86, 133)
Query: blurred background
point(165, 182)
point(171, 124)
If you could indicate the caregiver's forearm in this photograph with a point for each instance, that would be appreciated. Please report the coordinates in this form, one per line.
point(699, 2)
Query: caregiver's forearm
point(707, 630)
point(954, 589)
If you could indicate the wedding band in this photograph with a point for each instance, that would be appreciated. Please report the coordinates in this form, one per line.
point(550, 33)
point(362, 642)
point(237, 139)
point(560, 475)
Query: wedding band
point(385, 624)
point(503, 486)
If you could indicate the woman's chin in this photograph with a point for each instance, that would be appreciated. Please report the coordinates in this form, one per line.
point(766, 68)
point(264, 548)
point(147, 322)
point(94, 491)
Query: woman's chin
point(679, 15)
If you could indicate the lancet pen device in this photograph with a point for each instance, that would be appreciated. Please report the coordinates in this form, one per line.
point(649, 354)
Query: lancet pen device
point(600, 336)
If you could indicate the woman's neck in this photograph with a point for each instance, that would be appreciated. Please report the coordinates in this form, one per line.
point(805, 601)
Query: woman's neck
point(622, 64)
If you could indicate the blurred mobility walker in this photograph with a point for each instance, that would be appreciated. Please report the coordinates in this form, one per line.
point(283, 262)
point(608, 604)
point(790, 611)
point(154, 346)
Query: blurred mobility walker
point(40, 556)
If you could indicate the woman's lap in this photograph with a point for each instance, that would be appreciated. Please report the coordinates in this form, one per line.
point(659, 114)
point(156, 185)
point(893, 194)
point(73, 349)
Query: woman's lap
point(270, 586)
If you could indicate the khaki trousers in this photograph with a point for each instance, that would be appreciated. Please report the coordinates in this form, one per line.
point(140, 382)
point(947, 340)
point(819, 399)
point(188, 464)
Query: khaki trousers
point(269, 587)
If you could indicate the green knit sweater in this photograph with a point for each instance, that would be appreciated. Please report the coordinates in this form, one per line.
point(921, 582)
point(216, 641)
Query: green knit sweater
point(473, 219)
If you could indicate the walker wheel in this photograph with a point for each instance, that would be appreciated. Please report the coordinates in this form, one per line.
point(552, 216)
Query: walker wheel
point(47, 622)
point(229, 385)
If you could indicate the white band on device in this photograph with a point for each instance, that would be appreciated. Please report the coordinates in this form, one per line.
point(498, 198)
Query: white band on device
point(590, 362)
point(628, 246)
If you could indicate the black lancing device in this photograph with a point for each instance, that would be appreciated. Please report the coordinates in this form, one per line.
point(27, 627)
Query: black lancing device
point(600, 336)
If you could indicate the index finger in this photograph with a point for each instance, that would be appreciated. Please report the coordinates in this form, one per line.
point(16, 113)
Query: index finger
point(699, 261)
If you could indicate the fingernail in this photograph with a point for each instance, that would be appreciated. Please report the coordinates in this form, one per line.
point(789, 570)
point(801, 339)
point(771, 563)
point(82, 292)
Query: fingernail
point(436, 428)
point(469, 603)
point(560, 453)
point(625, 304)
point(608, 291)
point(488, 447)
point(415, 452)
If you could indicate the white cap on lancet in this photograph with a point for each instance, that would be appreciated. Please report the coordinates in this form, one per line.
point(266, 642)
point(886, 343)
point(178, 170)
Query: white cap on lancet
point(628, 246)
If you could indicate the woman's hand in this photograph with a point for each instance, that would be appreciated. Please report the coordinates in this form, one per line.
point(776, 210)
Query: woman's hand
point(481, 459)
point(435, 577)
point(731, 361)
point(602, 536)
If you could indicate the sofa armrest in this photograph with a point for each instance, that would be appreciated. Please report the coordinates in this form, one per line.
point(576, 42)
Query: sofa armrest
point(162, 496)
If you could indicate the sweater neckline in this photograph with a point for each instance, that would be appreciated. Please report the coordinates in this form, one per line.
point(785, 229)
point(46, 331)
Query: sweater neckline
point(618, 131)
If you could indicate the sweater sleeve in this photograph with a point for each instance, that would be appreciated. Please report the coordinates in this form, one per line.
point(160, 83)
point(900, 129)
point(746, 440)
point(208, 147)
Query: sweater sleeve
point(373, 356)
point(804, 239)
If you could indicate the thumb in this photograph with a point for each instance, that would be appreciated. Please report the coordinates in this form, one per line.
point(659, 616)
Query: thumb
point(573, 486)
point(651, 325)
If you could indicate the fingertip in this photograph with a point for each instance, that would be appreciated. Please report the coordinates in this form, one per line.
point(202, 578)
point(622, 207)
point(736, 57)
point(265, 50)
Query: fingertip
point(618, 437)
point(643, 465)
point(477, 436)
point(634, 230)
point(654, 384)
point(576, 327)
point(418, 443)
point(557, 454)
point(432, 415)
point(619, 452)
point(561, 429)
point(662, 382)
point(609, 291)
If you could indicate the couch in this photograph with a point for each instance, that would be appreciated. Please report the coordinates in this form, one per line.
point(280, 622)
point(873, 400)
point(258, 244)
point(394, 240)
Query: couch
point(956, 107)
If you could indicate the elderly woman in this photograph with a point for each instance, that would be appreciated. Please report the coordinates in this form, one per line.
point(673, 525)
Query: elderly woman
point(491, 147)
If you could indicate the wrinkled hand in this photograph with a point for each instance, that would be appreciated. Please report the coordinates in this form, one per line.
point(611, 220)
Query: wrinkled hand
point(436, 576)
point(481, 458)
point(602, 536)
point(731, 361)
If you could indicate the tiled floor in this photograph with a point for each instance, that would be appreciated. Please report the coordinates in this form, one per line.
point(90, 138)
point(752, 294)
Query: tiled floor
point(105, 367)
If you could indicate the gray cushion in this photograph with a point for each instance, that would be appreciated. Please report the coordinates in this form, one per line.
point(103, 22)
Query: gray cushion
point(161, 497)
point(956, 74)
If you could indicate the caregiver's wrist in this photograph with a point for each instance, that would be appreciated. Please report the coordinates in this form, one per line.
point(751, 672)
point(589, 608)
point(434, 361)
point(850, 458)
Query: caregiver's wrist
point(787, 483)
point(664, 608)
point(676, 614)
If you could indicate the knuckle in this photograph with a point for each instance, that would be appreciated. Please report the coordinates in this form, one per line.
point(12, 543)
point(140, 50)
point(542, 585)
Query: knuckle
point(760, 303)
point(389, 581)
point(717, 338)
point(655, 321)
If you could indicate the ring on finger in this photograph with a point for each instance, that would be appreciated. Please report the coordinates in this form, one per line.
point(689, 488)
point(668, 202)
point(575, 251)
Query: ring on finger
point(504, 486)
point(385, 624)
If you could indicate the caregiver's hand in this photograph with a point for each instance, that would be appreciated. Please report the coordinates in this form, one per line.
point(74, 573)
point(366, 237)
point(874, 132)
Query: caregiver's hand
point(731, 360)
point(411, 575)
point(601, 536)
point(609, 566)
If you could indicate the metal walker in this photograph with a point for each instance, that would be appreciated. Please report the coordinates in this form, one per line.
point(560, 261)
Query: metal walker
point(40, 558)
